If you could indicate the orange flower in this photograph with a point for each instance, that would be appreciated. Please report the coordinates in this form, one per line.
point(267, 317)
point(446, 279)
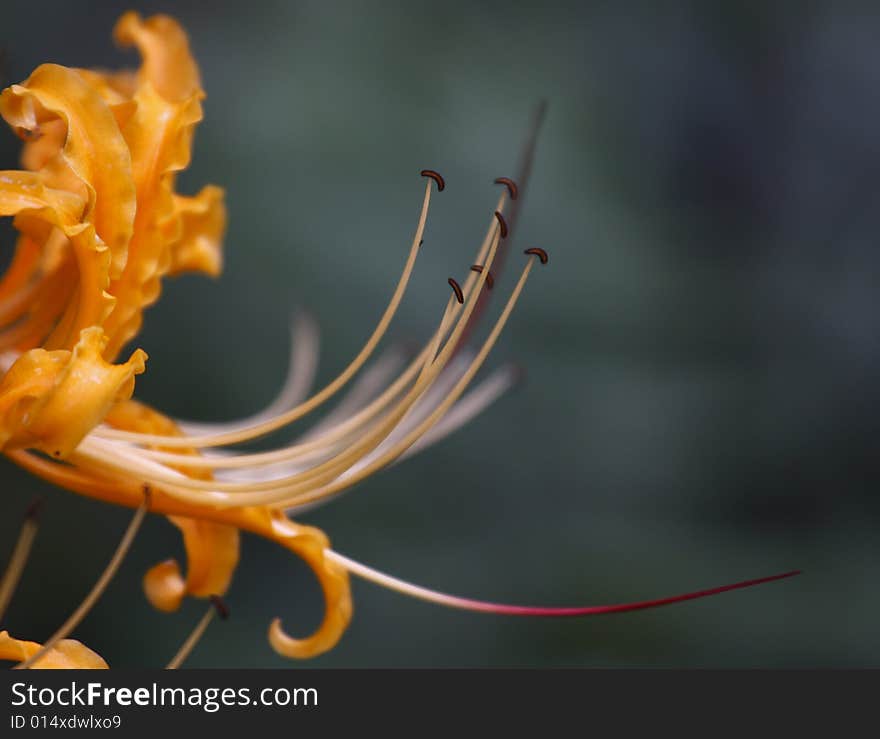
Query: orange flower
point(100, 225)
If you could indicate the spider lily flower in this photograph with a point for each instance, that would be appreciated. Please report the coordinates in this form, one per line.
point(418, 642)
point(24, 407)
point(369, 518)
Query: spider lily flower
point(100, 226)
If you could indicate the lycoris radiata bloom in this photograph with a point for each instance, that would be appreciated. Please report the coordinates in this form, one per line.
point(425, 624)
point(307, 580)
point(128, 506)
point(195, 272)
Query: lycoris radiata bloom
point(100, 224)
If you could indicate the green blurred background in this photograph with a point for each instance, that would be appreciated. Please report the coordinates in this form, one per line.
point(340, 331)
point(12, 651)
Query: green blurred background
point(701, 353)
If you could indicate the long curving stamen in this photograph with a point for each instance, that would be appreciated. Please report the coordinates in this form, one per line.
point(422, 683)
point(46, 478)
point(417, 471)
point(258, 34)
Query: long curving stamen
point(294, 414)
point(218, 607)
point(20, 554)
point(469, 604)
point(99, 587)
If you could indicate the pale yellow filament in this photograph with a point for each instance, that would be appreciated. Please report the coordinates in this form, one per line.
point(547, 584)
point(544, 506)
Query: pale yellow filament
point(17, 561)
point(193, 639)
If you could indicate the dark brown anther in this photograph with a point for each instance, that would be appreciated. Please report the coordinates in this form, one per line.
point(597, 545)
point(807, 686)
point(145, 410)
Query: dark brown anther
point(35, 507)
point(456, 288)
point(221, 607)
point(421, 241)
point(148, 494)
point(478, 268)
point(537, 251)
point(434, 176)
point(502, 224)
point(512, 189)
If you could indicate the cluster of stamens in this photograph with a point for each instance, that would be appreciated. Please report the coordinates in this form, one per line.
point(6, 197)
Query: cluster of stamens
point(317, 467)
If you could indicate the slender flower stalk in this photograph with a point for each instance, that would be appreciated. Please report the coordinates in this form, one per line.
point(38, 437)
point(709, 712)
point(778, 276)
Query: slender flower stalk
point(217, 607)
point(20, 554)
point(100, 226)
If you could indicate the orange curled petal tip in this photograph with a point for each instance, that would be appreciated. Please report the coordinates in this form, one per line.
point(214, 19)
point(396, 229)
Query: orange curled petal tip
point(311, 544)
point(164, 586)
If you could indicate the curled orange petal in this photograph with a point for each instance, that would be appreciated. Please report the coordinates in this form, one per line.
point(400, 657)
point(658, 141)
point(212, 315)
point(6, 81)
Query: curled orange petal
point(172, 233)
point(43, 212)
point(67, 654)
point(94, 149)
point(164, 586)
point(309, 543)
point(168, 64)
point(203, 223)
point(212, 551)
point(49, 400)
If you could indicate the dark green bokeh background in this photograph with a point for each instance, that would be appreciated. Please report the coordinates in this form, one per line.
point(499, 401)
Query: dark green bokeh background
point(702, 352)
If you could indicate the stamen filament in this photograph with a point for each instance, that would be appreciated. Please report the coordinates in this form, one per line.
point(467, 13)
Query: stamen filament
point(20, 553)
point(468, 604)
point(99, 587)
point(216, 607)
